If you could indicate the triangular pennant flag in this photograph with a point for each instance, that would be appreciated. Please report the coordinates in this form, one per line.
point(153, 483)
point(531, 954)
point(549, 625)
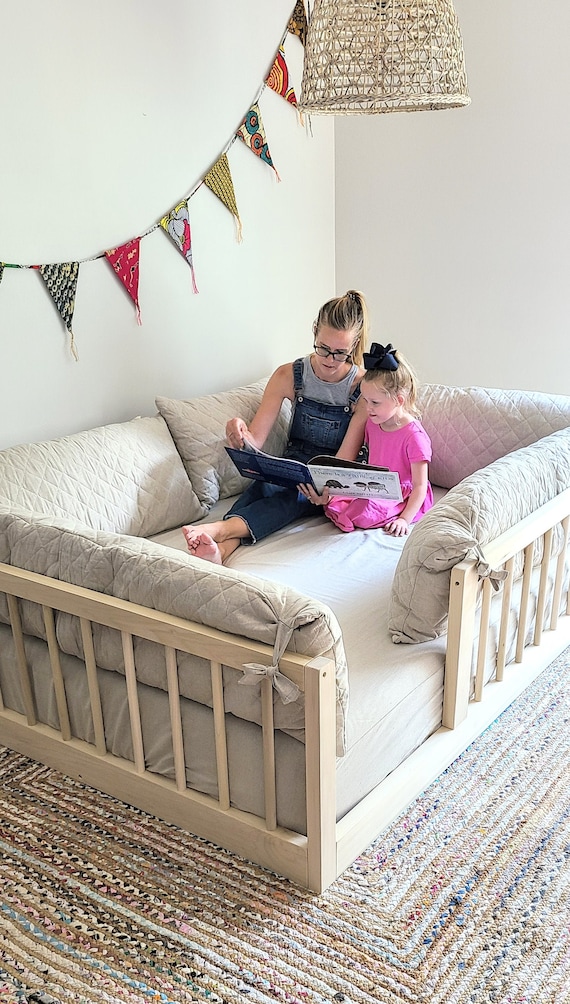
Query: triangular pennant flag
point(177, 225)
point(219, 181)
point(125, 263)
point(278, 78)
point(61, 281)
point(252, 133)
point(298, 22)
point(1, 270)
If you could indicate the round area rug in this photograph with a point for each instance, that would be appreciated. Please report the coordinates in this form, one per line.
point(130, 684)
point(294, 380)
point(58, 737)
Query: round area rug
point(464, 900)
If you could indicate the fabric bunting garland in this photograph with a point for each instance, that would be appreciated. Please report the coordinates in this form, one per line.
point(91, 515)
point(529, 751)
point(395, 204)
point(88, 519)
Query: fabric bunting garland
point(177, 225)
point(61, 278)
point(61, 281)
point(219, 181)
point(298, 22)
point(124, 261)
point(252, 133)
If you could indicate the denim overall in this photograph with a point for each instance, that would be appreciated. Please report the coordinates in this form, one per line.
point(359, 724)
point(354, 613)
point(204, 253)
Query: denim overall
point(315, 429)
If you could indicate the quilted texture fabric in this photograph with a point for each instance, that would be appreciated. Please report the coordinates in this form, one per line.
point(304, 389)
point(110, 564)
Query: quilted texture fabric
point(473, 513)
point(198, 427)
point(123, 478)
point(471, 427)
point(163, 579)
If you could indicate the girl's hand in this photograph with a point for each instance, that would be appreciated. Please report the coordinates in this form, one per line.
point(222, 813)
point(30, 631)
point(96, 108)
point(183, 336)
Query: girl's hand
point(236, 429)
point(312, 496)
point(398, 527)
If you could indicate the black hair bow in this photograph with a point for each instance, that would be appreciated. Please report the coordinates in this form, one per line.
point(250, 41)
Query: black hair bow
point(380, 357)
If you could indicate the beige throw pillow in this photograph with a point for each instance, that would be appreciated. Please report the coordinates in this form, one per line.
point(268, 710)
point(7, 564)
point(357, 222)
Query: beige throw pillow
point(198, 427)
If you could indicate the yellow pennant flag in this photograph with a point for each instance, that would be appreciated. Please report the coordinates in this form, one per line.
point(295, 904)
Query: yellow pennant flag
point(219, 181)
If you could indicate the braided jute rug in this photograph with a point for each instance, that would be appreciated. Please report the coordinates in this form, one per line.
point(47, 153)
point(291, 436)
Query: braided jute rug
point(464, 899)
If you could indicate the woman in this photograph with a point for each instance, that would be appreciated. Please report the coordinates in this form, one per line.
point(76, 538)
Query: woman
point(324, 388)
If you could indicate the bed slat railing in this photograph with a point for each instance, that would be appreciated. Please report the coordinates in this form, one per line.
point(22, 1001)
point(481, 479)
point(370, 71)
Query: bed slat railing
point(559, 577)
point(309, 860)
point(505, 618)
point(175, 718)
point(543, 586)
point(528, 561)
point(23, 669)
point(133, 702)
point(463, 611)
point(93, 684)
point(222, 767)
point(269, 781)
point(57, 675)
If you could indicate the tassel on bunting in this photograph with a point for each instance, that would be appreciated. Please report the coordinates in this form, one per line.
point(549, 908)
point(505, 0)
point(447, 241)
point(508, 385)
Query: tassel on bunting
point(61, 282)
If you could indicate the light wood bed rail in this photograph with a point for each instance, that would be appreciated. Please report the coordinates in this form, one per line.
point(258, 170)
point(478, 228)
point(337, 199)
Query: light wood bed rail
point(315, 860)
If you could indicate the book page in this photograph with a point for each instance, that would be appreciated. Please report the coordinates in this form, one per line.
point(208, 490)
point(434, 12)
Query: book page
point(357, 481)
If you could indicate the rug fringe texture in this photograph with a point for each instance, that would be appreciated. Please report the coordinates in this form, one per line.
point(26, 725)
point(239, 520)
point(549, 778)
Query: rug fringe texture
point(464, 899)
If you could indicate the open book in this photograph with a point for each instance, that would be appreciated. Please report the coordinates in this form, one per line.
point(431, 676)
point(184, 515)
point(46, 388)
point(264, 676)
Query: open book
point(341, 477)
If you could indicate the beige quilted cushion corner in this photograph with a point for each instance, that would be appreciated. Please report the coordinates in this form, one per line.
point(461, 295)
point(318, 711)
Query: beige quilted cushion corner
point(471, 515)
point(471, 427)
point(120, 478)
point(198, 427)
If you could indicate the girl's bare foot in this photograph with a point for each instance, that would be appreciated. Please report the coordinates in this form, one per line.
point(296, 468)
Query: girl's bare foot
point(202, 545)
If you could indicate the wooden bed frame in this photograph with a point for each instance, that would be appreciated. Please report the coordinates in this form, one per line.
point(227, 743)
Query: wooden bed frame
point(315, 860)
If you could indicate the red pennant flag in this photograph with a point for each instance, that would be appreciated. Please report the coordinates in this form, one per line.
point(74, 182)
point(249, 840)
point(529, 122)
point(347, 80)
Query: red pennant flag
point(61, 281)
point(252, 133)
point(177, 225)
point(124, 261)
point(278, 78)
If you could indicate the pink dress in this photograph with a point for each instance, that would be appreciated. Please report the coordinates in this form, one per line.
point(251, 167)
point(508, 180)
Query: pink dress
point(398, 450)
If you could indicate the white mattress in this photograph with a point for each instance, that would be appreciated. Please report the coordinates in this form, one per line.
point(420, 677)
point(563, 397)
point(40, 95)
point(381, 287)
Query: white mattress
point(395, 691)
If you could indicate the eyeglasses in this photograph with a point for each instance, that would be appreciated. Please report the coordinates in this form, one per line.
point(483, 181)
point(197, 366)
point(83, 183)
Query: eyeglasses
point(338, 356)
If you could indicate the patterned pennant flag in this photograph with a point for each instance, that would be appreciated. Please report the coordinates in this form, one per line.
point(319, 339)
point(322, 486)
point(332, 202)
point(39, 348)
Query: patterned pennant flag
point(278, 78)
point(219, 180)
point(298, 22)
point(61, 281)
point(124, 261)
point(252, 133)
point(177, 225)
point(1, 270)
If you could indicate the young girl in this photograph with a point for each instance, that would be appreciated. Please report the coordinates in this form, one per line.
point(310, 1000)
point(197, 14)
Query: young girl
point(396, 439)
point(324, 388)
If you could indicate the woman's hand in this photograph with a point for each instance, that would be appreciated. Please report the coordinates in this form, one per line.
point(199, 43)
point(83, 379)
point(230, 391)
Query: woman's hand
point(398, 527)
point(312, 496)
point(236, 430)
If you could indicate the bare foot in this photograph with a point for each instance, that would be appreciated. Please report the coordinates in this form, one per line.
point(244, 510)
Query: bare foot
point(201, 545)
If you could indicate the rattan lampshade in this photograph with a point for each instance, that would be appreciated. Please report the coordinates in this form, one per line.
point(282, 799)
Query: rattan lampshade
point(371, 56)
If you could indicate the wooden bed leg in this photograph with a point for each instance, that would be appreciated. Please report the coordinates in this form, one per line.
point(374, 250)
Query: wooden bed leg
point(460, 634)
point(320, 774)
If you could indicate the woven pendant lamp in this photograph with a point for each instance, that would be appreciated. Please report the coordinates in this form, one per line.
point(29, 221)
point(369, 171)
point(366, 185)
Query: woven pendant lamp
point(363, 57)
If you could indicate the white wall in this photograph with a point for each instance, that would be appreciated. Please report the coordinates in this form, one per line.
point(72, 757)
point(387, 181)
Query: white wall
point(456, 223)
point(111, 114)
